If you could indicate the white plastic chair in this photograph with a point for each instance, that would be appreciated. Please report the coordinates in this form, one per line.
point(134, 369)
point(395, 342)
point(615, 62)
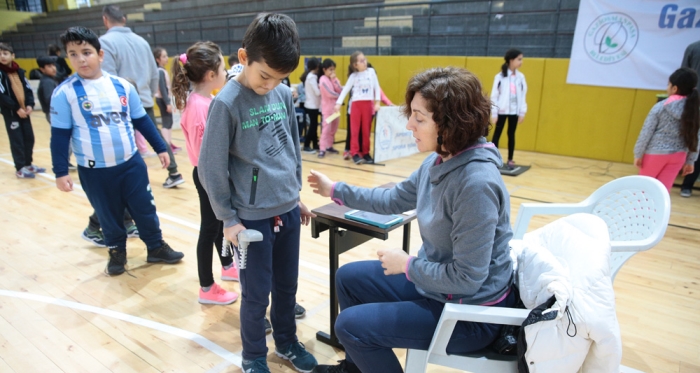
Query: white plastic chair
point(636, 210)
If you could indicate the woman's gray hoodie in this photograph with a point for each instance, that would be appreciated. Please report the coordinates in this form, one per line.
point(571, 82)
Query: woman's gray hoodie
point(661, 133)
point(463, 213)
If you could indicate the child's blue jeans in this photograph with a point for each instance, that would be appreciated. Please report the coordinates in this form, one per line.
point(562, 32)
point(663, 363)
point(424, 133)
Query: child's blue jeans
point(380, 312)
point(272, 267)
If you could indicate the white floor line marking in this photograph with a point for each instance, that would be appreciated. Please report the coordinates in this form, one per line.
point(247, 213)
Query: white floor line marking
point(24, 191)
point(196, 338)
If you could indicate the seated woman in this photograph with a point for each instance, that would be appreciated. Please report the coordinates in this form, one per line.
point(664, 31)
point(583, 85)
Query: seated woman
point(463, 213)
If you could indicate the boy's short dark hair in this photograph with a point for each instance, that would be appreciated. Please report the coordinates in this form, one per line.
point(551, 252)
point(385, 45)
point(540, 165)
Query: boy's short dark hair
point(45, 60)
point(114, 14)
point(6, 47)
point(79, 35)
point(273, 38)
point(233, 58)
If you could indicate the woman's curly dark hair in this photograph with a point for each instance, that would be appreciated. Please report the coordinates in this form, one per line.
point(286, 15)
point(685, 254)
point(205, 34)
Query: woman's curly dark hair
point(460, 109)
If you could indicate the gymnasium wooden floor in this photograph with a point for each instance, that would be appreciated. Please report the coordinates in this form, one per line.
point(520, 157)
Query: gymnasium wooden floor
point(59, 312)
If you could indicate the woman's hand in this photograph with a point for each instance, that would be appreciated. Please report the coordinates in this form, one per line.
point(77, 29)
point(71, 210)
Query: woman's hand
point(638, 162)
point(688, 169)
point(393, 261)
point(306, 214)
point(320, 183)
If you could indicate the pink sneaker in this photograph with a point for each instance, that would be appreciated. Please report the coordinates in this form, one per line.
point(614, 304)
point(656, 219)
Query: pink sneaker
point(217, 295)
point(230, 274)
point(176, 149)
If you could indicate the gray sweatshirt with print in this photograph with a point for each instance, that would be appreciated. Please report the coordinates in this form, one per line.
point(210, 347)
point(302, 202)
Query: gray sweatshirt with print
point(661, 133)
point(463, 213)
point(250, 161)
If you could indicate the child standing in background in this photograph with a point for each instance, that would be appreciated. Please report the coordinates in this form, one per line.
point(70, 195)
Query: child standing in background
point(312, 104)
point(508, 97)
point(163, 98)
point(330, 89)
point(365, 92)
point(203, 66)
point(668, 142)
point(17, 103)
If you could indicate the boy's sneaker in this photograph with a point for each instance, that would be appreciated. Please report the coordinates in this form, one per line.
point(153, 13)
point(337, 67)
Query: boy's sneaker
point(176, 149)
point(71, 167)
point(164, 254)
point(309, 150)
point(94, 236)
point(299, 311)
point(173, 181)
point(132, 231)
point(258, 365)
point(36, 169)
point(268, 326)
point(296, 353)
point(346, 155)
point(686, 193)
point(356, 158)
point(343, 367)
point(368, 159)
point(321, 154)
point(117, 261)
point(217, 295)
point(230, 274)
point(24, 173)
point(332, 151)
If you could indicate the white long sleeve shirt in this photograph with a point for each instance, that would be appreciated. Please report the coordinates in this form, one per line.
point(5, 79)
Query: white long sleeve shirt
point(364, 85)
point(313, 93)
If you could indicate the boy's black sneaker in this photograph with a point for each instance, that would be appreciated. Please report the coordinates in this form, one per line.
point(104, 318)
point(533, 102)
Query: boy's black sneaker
point(356, 158)
point(164, 254)
point(268, 326)
point(117, 261)
point(368, 159)
point(299, 311)
point(343, 367)
point(173, 181)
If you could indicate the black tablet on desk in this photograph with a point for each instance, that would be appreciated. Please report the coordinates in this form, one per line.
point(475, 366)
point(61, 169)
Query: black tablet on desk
point(379, 220)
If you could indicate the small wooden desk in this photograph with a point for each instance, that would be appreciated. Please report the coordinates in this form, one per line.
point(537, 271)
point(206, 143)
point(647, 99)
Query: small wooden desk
point(344, 235)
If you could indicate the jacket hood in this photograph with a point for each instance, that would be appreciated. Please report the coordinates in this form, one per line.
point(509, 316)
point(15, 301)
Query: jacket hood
point(482, 151)
point(675, 108)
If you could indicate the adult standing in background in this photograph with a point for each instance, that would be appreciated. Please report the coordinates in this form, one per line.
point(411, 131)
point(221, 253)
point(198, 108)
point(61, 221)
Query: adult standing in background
point(62, 69)
point(128, 55)
point(691, 59)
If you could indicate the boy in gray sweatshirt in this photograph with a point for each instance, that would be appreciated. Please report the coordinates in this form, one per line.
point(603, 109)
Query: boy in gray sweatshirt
point(250, 166)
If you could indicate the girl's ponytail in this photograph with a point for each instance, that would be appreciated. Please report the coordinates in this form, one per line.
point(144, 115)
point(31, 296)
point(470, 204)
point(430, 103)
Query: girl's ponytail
point(180, 81)
point(686, 81)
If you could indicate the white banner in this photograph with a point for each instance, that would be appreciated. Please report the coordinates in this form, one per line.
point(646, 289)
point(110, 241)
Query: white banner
point(631, 43)
point(391, 138)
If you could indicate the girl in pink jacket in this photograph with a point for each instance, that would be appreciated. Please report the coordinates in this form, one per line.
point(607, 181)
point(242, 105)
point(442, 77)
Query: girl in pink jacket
point(330, 90)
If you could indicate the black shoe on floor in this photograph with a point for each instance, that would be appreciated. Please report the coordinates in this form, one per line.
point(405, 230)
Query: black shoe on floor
point(117, 261)
point(299, 311)
point(356, 158)
point(268, 326)
point(343, 367)
point(368, 159)
point(164, 254)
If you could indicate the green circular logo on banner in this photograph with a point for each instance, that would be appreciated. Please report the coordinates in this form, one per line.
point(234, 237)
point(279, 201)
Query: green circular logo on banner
point(611, 38)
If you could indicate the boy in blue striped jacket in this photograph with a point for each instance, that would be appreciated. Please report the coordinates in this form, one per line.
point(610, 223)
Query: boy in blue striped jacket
point(97, 113)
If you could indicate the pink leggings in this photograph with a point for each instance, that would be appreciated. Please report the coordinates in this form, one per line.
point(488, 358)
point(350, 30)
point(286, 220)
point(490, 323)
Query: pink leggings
point(663, 167)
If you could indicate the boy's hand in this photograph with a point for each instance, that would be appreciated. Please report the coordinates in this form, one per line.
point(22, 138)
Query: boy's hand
point(22, 113)
point(29, 110)
point(336, 109)
point(231, 233)
point(320, 183)
point(64, 183)
point(393, 261)
point(306, 214)
point(164, 159)
point(169, 108)
point(688, 169)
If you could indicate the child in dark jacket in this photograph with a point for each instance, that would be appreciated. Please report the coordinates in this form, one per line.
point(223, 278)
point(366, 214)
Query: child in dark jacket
point(48, 82)
point(17, 103)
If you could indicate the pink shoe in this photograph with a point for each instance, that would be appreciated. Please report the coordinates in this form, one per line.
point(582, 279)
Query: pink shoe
point(346, 155)
point(217, 295)
point(176, 149)
point(230, 274)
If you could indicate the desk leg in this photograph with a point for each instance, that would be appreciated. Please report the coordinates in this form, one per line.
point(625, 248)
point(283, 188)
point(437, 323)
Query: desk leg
point(333, 254)
point(407, 238)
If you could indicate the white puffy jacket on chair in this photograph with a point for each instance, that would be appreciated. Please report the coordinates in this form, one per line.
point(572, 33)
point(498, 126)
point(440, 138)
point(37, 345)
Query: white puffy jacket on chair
point(569, 258)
